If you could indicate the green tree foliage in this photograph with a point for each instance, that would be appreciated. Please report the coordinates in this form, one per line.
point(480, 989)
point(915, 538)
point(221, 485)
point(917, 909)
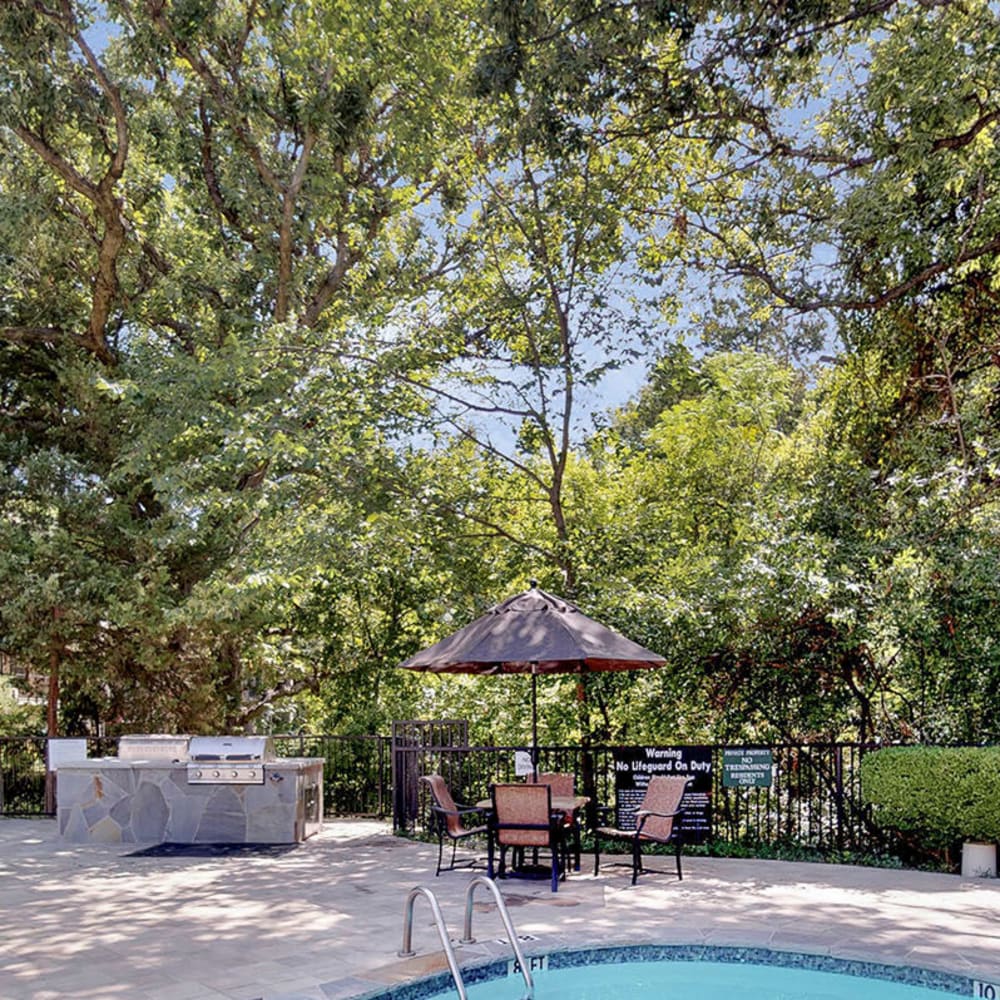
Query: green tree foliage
point(307, 310)
point(214, 195)
point(806, 591)
point(536, 313)
point(833, 158)
point(18, 717)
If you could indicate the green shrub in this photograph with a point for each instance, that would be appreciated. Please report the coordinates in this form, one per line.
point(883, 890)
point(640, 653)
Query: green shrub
point(940, 794)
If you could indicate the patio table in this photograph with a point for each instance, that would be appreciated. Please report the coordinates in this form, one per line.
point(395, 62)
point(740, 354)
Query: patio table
point(568, 805)
point(560, 803)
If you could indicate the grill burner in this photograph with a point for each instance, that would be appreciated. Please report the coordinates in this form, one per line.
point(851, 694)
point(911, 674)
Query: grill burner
point(228, 760)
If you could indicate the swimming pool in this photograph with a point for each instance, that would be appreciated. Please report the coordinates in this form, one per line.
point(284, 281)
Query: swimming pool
point(684, 971)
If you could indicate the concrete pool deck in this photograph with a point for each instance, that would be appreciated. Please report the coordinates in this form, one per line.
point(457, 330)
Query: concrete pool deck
point(324, 920)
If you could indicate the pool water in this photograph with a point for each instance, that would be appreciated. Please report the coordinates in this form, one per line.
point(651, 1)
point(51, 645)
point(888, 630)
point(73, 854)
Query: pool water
point(695, 981)
point(683, 972)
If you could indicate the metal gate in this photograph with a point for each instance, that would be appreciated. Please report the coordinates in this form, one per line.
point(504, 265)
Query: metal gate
point(416, 746)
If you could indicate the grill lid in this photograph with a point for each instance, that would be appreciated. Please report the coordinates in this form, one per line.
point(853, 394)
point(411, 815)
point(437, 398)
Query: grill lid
point(252, 748)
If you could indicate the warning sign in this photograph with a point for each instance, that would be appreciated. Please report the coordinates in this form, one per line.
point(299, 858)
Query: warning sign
point(634, 766)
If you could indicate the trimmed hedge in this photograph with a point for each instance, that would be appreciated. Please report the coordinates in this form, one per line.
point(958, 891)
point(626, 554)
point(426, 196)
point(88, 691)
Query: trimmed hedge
point(941, 794)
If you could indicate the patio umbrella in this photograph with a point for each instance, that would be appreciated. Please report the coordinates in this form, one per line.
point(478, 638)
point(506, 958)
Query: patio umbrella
point(533, 633)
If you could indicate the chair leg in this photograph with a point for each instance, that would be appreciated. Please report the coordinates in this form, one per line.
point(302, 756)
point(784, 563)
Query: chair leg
point(597, 854)
point(680, 877)
point(636, 859)
point(489, 856)
point(440, 853)
point(556, 851)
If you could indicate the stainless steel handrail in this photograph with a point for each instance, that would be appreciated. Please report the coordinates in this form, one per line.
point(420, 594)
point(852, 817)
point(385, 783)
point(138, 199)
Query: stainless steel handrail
point(407, 951)
point(467, 937)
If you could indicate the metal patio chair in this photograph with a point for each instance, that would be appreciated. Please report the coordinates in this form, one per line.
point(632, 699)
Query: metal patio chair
point(657, 822)
point(523, 818)
point(563, 785)
point(449, 821)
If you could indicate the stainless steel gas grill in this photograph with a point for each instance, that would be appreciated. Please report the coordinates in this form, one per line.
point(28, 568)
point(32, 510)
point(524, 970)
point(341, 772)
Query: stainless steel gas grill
point(228, 760)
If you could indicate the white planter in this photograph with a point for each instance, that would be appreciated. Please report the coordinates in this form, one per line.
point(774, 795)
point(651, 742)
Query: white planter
point(979, 859)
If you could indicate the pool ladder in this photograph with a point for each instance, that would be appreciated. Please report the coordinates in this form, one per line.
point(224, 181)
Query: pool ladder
point(421, 890)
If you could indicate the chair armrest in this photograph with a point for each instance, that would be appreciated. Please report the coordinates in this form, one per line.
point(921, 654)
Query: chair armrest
point(457, 811)
point(652, 812)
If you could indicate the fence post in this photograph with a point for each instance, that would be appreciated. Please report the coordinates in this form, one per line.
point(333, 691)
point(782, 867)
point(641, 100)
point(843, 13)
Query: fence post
point(838, 770)
point(396, 779)
point(381, 773)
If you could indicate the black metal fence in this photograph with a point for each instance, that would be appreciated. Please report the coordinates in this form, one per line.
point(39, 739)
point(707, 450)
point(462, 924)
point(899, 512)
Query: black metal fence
point(356, 775)
point(22, 775)
point(356, 771)
point(814, 800)
point(22, 772)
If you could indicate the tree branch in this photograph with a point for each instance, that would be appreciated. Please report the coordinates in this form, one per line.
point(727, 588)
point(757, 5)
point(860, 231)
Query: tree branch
point(39, 335)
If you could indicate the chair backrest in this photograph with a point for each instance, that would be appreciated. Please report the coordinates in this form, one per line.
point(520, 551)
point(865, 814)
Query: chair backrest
point(663, 795)
point(443, 799)
point(562, 783)
point(522, 814)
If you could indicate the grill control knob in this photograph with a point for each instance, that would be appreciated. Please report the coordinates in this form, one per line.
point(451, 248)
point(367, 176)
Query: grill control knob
point(215, 774)
point(234, 774)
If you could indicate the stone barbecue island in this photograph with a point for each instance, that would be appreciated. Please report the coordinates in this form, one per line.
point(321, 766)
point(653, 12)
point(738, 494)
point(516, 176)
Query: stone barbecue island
point(190, 790)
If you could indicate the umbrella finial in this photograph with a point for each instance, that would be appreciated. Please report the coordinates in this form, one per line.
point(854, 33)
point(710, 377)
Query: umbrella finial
point(534, 584)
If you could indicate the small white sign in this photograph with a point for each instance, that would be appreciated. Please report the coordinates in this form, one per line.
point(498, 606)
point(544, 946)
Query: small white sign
point(985, 991)
point(63, 751)
point(522, 763)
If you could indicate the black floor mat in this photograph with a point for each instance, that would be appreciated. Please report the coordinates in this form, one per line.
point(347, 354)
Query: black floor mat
point(212, 850)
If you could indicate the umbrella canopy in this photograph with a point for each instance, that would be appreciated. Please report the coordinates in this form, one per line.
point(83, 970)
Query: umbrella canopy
point(534, 633)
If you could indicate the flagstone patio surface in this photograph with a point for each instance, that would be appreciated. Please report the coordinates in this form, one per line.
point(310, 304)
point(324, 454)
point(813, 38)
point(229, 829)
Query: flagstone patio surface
point(324, 920)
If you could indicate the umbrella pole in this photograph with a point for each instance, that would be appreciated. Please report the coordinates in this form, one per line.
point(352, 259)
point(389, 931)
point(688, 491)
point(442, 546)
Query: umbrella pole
point(534, 720)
